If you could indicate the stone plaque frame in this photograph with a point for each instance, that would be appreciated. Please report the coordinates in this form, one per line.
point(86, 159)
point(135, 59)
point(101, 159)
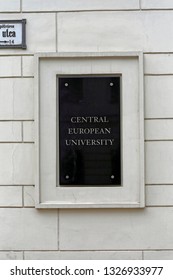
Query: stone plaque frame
point(49, 194)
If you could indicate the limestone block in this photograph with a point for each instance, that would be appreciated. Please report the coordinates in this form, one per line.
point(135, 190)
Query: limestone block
point(85, 255)
point(157, 31)
point(16, 164)
point(86, 31)
point(11, 255)
point(120, 229)
point(158, 64)
point(28, 229)
point(159, 162)
point(10, 131)
point(29, 196)
point(158, 255)
point(126, 31)
point(10, 6)
point(16, 97)
point(158, 97)
point(28, 66)
point(156, 4)
point(11, 66)
point(28, 131)
point(77, 5)
point(159, 129)
point(159, 195)
point(10, 196)
point(41, 35)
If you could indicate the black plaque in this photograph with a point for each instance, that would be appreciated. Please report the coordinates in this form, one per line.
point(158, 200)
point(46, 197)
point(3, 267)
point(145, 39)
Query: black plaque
point(89, 130)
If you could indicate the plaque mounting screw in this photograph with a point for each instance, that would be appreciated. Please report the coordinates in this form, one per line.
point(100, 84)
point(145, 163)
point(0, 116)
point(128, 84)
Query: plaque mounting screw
point(111, 84)
point(112, 176)
point(66, 84)
point(67, 177)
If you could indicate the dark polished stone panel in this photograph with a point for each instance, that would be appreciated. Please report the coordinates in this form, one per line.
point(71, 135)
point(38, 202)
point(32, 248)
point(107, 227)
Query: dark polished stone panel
point(89, 130)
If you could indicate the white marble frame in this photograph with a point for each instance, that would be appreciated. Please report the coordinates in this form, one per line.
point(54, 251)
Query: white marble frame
point(48, 193)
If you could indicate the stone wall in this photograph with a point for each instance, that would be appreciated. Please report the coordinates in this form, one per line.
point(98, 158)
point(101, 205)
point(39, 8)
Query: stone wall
point(86, 26)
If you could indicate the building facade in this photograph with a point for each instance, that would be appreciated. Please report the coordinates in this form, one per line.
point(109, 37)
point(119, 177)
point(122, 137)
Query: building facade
point(71, 26)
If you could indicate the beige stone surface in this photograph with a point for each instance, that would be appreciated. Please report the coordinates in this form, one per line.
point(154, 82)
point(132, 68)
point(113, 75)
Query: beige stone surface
point(11, 66)
point(126, 31)
point(158, 63)
point(85, 255)
point(41, 32)
point(28, 131)
point(158, 255)
point(10, 131)
point(127, 229)
point(29, 196)
point(9, 6)
point(16, 95)
point(161, 129)
point(158, 97)
point(28, 66)
point(159, 162)
point(11, 255)
point(77, 5)
point(10, 196)
point(16, 164)
point(159, 195)
point(86, 31)
point(156, 4)
point(28, 229)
